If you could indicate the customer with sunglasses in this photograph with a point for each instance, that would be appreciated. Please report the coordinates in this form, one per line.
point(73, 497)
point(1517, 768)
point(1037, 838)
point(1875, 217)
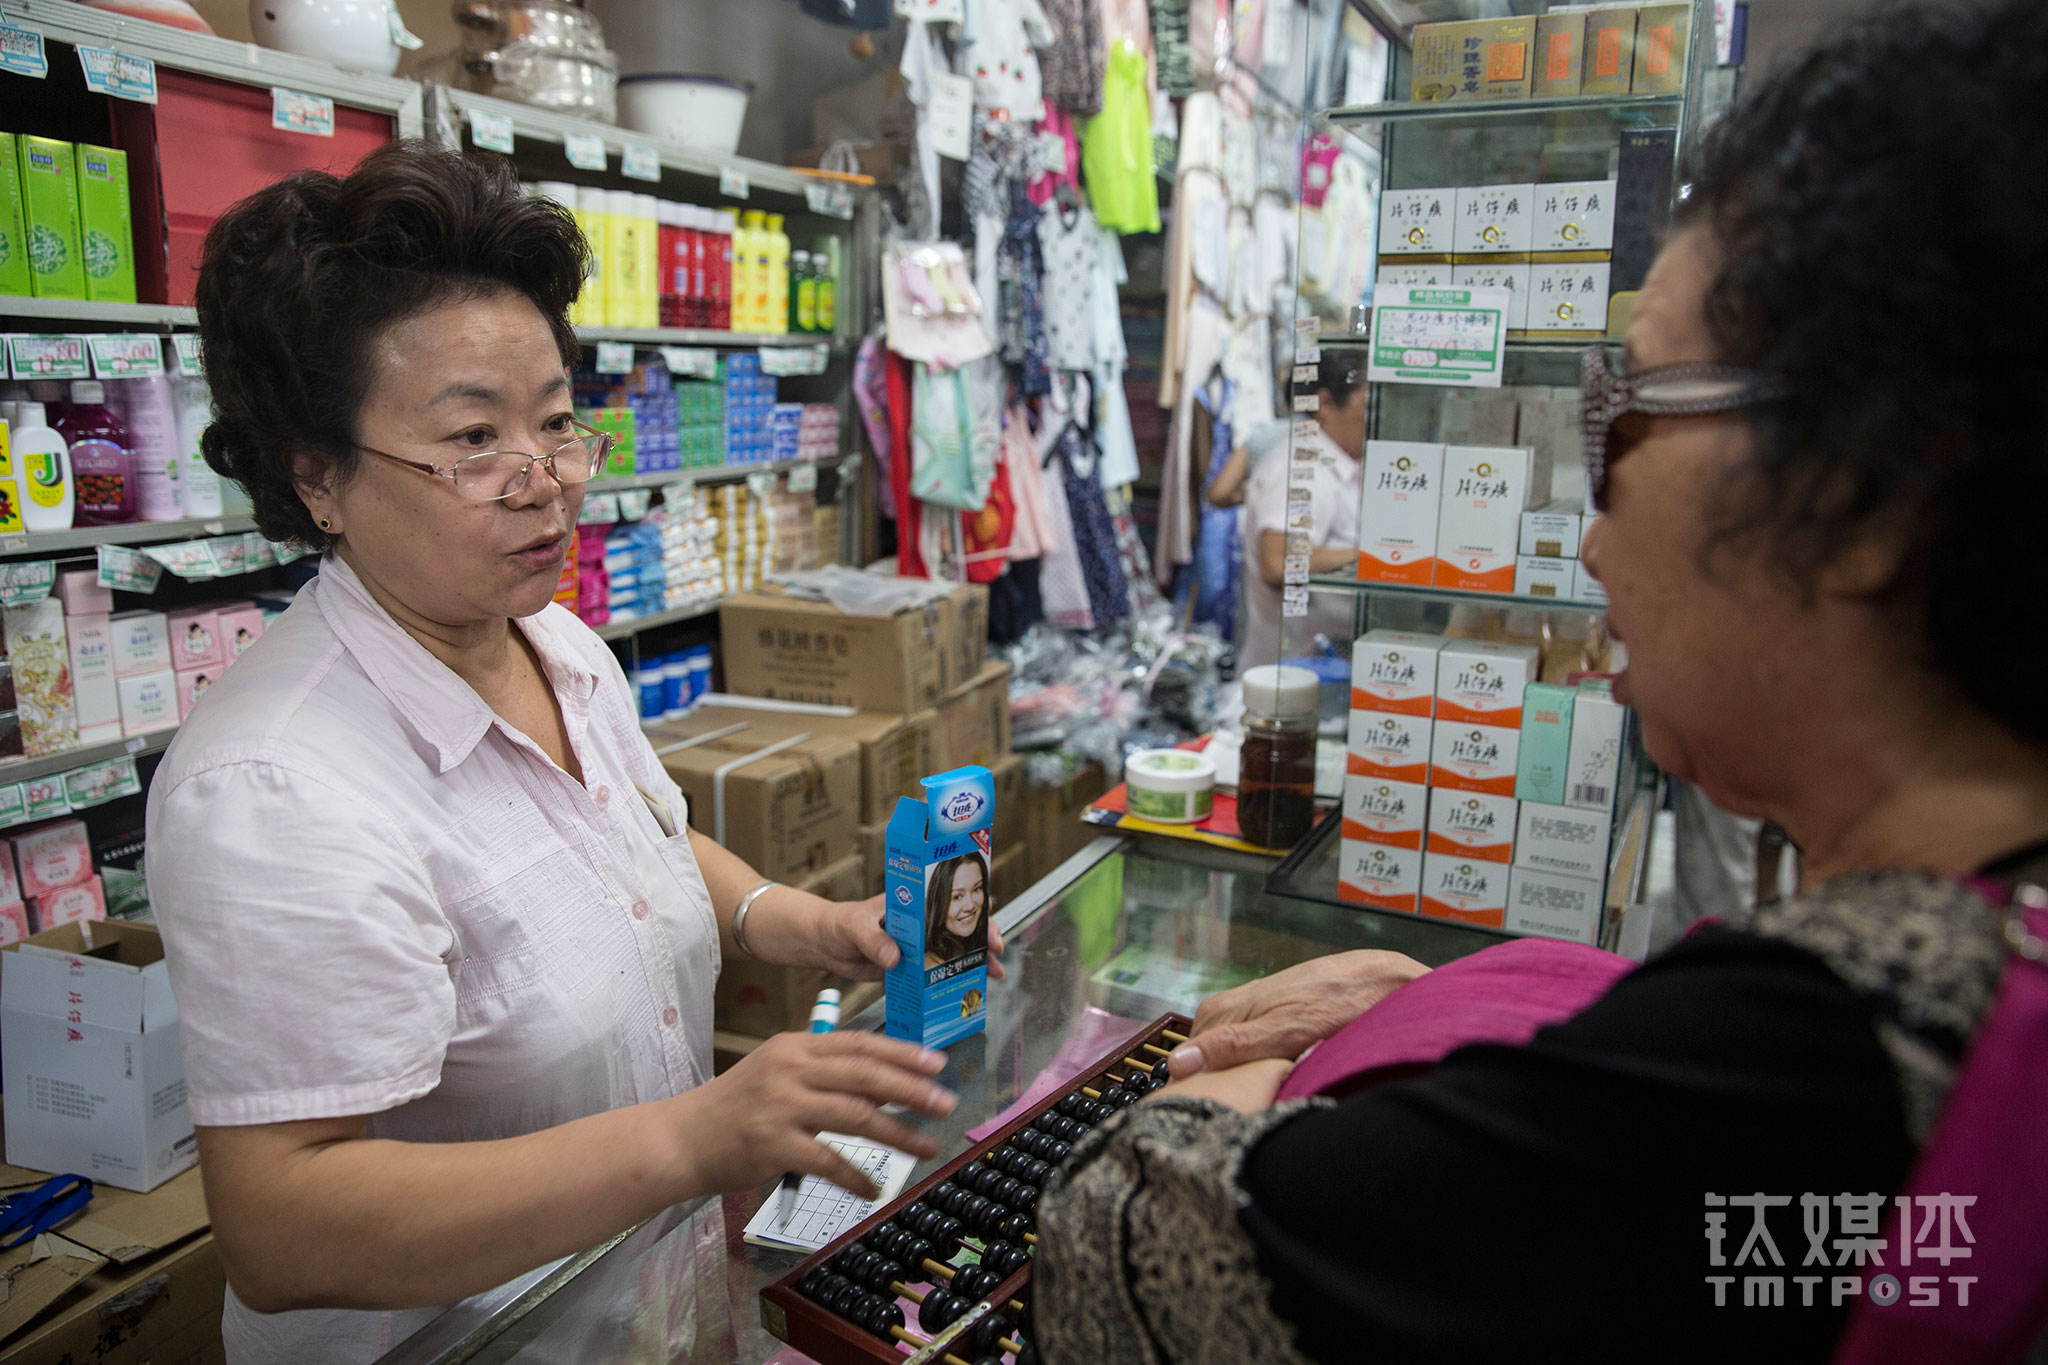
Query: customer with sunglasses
point(442, 938)
point(1820, 464)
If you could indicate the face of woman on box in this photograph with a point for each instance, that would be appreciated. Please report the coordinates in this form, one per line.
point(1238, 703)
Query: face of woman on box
point(468, 376)
point(963, 909)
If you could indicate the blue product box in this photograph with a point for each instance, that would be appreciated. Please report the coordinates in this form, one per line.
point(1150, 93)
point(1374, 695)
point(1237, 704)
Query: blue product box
point(940, 900)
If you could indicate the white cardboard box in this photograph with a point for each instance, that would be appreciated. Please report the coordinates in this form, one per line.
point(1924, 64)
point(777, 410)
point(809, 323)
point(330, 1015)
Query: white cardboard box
point(1594, 768)
point(1481, 682)
point(1536, 577)
point(92, 679)
point(1569, 298)
point(1380, 812)
point(93, 1076)
point(1474, 758)
point(1575, 215)
point(1550, 906)
point(1471, 825)
point(1468, 890)
point(1513, 278)
point(1434, 275)
point(1379, 875)
point(1400, 491)
point(1566, 840)
point(1553, 532)
point(1585, 587)
point(1479, 530)
point(1388, 746)
point(149, 702)
point(1495, 218)
point(1395, 670)
point(1416, 222)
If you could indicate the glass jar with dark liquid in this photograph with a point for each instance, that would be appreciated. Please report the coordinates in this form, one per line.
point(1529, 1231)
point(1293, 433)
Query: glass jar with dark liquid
point(1276, 782)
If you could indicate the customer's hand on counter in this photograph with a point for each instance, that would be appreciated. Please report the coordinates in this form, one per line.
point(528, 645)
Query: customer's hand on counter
point(1247, 1088)
point(1283, 1015)
point(849, 940)
point(762, 1118)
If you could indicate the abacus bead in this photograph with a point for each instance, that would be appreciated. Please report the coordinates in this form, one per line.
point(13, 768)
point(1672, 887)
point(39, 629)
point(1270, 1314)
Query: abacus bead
point(807, 1284)
point(1029, 1355)
point(1027, 1197)
point(1056, 1152)
point(840, 1297)
point(1072, 1130)
point(1002, 1158)
point(916, 1250)
point(1013, 1227)
point(1103, 1110)
point(987, 1332)
point(973, 1281)
point(970, 1174)
point(887, 1272)
point(1005, 1192)
point(890, 1316)
point(1036, 1173)
point(939, 1309)
point(975, 1209)
point(946, 1233)
point(1113, 1096)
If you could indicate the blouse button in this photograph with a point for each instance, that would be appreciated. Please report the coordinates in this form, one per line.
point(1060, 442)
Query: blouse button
point(668, 1017)
point(604, 795)
point(640, 910)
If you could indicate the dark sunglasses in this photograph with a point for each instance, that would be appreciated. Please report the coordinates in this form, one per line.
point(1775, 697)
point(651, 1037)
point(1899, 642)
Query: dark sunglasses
point(1671, 391)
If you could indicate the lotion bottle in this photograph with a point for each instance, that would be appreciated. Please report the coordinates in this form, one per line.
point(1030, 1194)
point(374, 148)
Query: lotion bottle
point(45, 464)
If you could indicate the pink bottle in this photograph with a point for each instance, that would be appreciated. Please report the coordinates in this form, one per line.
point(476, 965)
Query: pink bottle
point(102, 456)
point(718, 271)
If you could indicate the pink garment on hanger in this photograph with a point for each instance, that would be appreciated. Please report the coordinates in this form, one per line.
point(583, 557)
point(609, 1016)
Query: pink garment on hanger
point(1058, 123)
point(1032, 535)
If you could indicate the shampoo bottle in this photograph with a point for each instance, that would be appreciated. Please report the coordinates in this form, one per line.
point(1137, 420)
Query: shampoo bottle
point(102, 459)
point(45, 465)
point(149, 410)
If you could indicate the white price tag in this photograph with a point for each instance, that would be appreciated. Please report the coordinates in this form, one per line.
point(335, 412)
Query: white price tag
point(1307, 402)
point(634, 502)
point(120, 356)
point(788, 360)
point(190, 361)
point(21, 51)
point(585, 151)
point(640, 163)
point(1307, 329)
point(614, 357)
point(599, 509)
point(48, 357)
point(120, 74)
point(695, 362)
point(491, 132)
point(1294, 600)
point(26, 580)
point(833, 201)
point(295, 111)
point(1305, 434)
point(732, 182)
point(128, 570)
point(803, 479)
point(1305, 373)
point(1308, 355)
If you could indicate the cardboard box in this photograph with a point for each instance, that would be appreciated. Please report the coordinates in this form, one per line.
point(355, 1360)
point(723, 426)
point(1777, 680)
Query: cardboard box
point(1494, 218)
point(1663, 34)
point(93, 690)
point(1399, 497)
point(1474, 758)
point(86, 900)
point(1430, 275)
point(1007, 774)
point(1508, 275)
point(51, 856)
point(1467, 890)
point(40, 653)
point(14, 271)
point(1054, 829)
point(1585, 587)
point(1481, 682)
point(761, 998)
point(1543, 766)
point(13, 922)
point(142, 642)
point(1379, 875)
point(1550, 906)
point(974, 721)
point(82, 595)
point(1009, 872)
point(1569, 298)
point(1563, 839)
point(239, 629)
point(1388, 746)
point(1417, 222)
point(106, 228)
point(1599, 725)
point(789, 807)
point(1471, 825)
point(10, 883)
point(1552, 532)
point(1485, 491)
point(149, 703)
point(841, 881)
point(1382, 812)
point(794, 650)
point(939, 903)
point(1609, 67)
point(1395, 670)
point(1477, 59)
point(1574, 215)
point(49, 202)
point(1537, 577)
point(895, 751)
point(195, 638)
point(1560, 55)
point(874, 855)
point(92, 1056)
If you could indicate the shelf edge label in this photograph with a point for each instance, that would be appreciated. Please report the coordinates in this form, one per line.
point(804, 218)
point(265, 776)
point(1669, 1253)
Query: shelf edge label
point(190, 363)
point(21, 51)
point(48, 357)
point(122, 75)
point(614, 357)
point(584, 150)
point(833, 201)
point(492, 132)
point(119, 355)
point(295, 111)
point(129, 570)
point(732, 182)
point(639, 162)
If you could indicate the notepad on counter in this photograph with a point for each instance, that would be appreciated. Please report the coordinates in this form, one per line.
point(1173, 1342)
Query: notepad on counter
point(823, 1210)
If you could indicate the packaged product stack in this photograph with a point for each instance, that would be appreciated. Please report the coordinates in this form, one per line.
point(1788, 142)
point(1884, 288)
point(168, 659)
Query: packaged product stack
point(617, 422)
point(744, 536)
point(785, 431)
point(48, 879)
point(700, 417)
point(65, 225)
point(1547, 564)
point(749, 397)
point(669, 684)
point(593, 588)
point(818, 432)
point(635, 581)
point(796, 529)
point(692, 572)
point(1453, 516)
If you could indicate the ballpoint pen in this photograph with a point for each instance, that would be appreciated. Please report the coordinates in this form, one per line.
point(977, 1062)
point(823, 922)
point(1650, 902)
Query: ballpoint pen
point(824, 1018)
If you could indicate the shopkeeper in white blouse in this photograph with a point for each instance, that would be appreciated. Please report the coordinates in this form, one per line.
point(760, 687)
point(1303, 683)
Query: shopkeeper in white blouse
point(442, 941)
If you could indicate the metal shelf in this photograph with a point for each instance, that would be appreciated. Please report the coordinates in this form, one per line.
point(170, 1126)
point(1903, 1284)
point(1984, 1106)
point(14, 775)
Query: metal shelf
point(1484, 599)
point(31, 768)
point(699, 336)
point(620, 630)
point(164, 315)
point(721, 473)
point(129, 533)
point(1407, 111)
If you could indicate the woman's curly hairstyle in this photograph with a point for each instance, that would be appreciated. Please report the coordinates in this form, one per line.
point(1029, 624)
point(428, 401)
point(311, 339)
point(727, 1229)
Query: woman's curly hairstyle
point(299, 280)
point(1877, 208)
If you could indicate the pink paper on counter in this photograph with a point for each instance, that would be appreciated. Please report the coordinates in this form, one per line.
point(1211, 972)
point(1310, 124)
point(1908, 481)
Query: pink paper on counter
point(1090, 1037)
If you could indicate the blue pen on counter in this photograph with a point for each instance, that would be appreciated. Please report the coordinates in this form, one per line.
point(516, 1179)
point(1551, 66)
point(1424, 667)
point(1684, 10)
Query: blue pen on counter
point(824, 1018)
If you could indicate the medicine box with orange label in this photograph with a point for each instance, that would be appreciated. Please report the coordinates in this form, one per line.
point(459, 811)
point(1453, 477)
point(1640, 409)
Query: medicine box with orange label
point(1471, 825)
point(1380, 812)
point(1468, 890)
point(1479, 527)
point(1395, 670)
point(1379, 875)
point(1388, 746)
point(1482, 681)
point(1400, 488)
point(1474, 758)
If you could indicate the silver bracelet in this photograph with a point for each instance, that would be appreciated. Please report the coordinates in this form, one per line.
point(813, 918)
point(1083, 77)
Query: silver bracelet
point(739, 916)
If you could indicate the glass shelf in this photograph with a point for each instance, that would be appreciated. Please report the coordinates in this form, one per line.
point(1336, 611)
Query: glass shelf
point(1435, 594)
point(1621, 107)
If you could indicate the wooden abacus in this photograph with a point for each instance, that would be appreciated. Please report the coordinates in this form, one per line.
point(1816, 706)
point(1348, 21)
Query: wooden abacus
point(941, 1275)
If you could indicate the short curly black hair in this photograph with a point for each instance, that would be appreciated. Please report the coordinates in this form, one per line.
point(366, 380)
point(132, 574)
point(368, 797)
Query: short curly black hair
point(298, 281)
point(1877, 208)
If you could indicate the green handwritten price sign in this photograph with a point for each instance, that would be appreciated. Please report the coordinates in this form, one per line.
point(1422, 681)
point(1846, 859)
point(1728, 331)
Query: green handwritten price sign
point(1449, 337)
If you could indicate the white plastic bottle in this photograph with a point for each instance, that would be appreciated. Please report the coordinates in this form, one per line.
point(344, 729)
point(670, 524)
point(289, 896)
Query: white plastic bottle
point(199, 487)
point(149, 411)
point(45, 464)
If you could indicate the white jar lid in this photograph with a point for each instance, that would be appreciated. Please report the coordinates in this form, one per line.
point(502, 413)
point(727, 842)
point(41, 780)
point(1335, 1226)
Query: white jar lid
point(1170, 770)
point(1280, 691)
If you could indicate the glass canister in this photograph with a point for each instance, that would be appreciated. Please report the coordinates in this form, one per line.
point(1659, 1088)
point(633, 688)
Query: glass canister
point(1276, 780)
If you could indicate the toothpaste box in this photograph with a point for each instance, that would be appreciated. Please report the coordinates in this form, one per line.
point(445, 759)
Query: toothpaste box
point(1472, 825)
point(1395, 670)
point(1468, 890)
point(1398, 509)
point(1377, 812)
point(1379, 875)
point(1479, 526)
point(939, 903)
point(1544, 764)
point(1564, 840)
point(1388, 746)
point(1549, 906)
point(1474, 758)
point(1482, 681)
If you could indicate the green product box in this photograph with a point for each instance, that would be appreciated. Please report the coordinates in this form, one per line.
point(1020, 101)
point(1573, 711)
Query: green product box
point(619, 423)
point(49, 203)
point(14, 273)
point(1545, 756)
point(107, 230)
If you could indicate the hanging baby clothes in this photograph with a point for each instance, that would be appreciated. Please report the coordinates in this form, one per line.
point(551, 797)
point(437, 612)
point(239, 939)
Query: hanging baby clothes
point(921, 65)
point(1063, 169)
point(1094, 532)
point(1032, 535)
point(1116, 151)
point(988, 534)
point(1073, 68)
point(999, 57)
point(1067, 242)
point(1170, 48)
point(1119, 465)
point(1020, 271)
point(1062, 588)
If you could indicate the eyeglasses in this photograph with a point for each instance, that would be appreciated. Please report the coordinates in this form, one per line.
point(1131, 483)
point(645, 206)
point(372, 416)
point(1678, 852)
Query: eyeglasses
point(1697, 390)
point(494, 475)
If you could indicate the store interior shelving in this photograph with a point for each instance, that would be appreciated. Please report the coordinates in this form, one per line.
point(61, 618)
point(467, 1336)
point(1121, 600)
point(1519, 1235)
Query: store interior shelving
point(1431, 593)
point(1411, 111)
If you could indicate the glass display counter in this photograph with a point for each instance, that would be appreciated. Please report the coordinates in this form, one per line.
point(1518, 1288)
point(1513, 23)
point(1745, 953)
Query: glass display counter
point(1131, 927)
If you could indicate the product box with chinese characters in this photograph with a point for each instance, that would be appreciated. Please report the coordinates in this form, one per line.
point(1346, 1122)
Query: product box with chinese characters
point(1494, 218)
point(86, 900)
point(1552, 531)
point(1474, 758)
point(1388, 745)
point(1379, 875)
point(40, 651)
point(1381, 812)
point(1417, 222)
point(1544, 764)
point(49, 201)
point(1609, 67)
point(1560, 55)
point(1570, 298)
point(1599, 729)
point(1427, 275)
point(1395, 670)
point(1508, 275)
point(1549, 906)
point(1662, 38)
point(1574, 215)
point(50, 857)
point(1468, 890)
point(1485, 491)
point(149, 702)
point(1563, 839)
point(142, 642)
point(1481, 681)
point(106, 230)
point(1400, 488)
point(14, 271)
point(1471, 825)
point(93, 687)
point(1537, 577)
point(940, 898)
point(1476, 59)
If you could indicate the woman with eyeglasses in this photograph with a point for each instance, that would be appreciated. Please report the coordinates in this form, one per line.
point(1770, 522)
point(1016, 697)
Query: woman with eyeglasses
point(1819, 463)
point(442, 938)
